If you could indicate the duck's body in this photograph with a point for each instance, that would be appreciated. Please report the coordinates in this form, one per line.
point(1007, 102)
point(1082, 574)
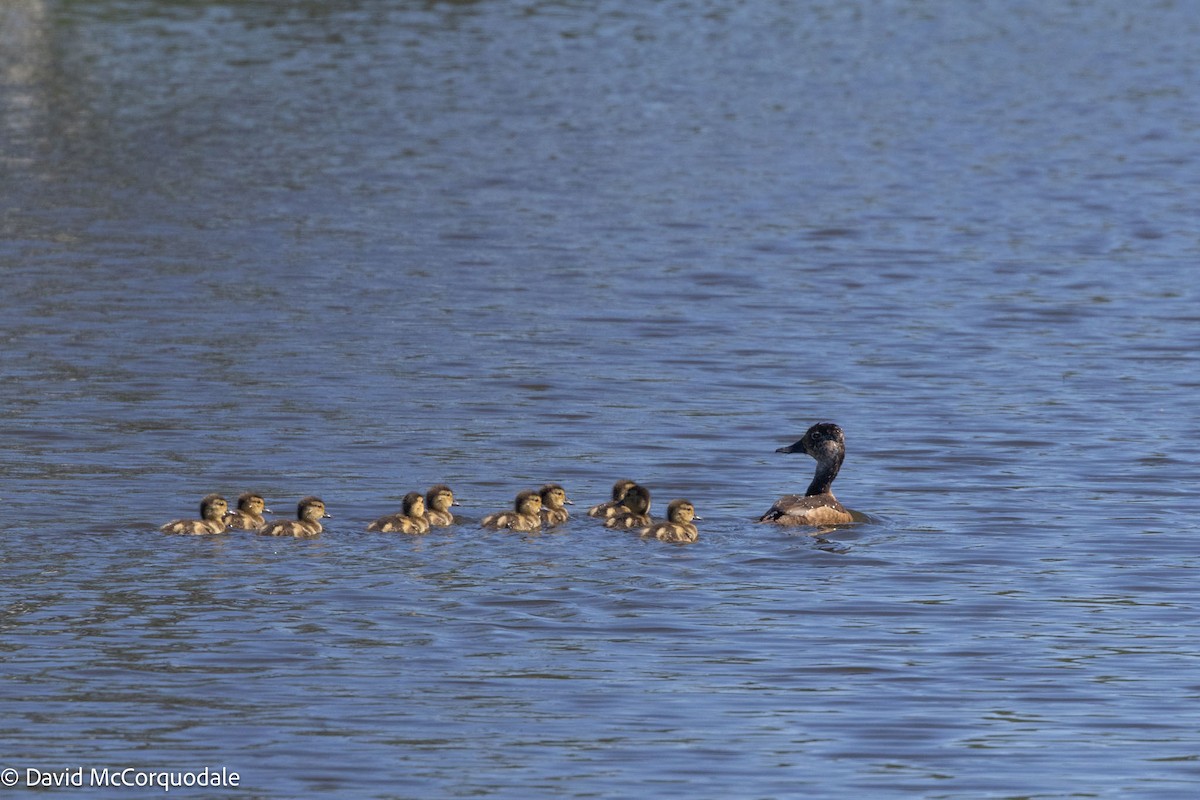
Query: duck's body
point(554, 502)
point(633, 511)
point(212, 518)
point(678, 527)
point(526, 514)
point(826, 443)
point(438, 501)
point(612, 507)
point(249, 514)
point(411, 518)
point(309, 513)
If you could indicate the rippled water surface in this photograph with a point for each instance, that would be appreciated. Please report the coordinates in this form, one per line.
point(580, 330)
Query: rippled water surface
point(354, 249)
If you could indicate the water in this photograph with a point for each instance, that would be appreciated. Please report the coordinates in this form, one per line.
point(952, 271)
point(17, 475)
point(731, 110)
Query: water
point(354, 249)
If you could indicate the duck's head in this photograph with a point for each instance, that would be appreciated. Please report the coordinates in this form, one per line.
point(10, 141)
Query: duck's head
point(213, 506)
point(620, 488)
point(823, 441)
point(311, 509)
point(637, 499)
point(681, 511)
point(440, 497)
point(528, 502)
point(252, 504)
point(554, 496)
point(413, 505)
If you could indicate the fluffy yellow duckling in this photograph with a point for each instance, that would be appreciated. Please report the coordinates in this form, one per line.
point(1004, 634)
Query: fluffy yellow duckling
point(411, 518)
point(212, 518)
point(612, 507)
point(678, 527)
point(309, 513)
point(826, 443)
point(438, 501)
point(249, 514)
point(554, 498)
point(634, 511)
point(525, 516)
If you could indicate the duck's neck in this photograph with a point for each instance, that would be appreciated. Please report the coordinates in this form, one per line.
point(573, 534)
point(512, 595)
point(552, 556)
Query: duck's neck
point(822, 482)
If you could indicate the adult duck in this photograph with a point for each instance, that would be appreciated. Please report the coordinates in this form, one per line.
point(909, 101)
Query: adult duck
point(826, 443)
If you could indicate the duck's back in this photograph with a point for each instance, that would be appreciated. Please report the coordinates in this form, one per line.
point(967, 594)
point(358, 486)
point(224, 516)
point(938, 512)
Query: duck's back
point(291, 527)
point(397, 523)
point(513, 521)
point(625, 519)
point(816, 510)
point(197, 527)
point(243, 521)
point(605, 510)
point(555, 516)
point(678, 532)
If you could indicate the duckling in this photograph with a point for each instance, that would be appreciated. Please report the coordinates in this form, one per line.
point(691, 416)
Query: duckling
point(612, 507)
point(634, 510)
point(525, 516)
point(438, 501)
point(212, 518)
point(249, 514)
point(554, 497)
point(411, 518)
point(678, 527)
point(309, 513)
point(826, 443)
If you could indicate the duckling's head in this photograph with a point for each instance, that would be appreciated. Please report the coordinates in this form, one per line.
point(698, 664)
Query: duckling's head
point(413, 505)
point(681, 511)
point(213, 506)
point(311, 509)
point(637, 499)
point(554, 496)
point(528, 502)
point(620, 488)
point(440, 497)
point(252, 504)
point(824, 441)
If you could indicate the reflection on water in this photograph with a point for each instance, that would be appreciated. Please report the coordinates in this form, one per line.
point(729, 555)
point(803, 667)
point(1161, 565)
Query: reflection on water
point(354, 250)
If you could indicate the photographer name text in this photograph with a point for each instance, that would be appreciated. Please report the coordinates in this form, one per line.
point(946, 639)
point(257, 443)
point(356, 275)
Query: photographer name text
point(127, 777)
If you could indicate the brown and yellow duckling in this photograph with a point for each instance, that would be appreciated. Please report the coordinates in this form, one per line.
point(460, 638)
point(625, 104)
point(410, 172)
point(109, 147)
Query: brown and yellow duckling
point(525, 516)
point(411, 518)
point(612, 507)
point(634, 510)
point(678, 527)
point(213, 508)
point(554, 502)
point(438, 501)
point(309, 513)
point(826, 443)
point(249, 513)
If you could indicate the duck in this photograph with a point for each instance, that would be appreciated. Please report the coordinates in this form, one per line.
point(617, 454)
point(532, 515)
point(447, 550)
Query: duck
point(608, 509)
point(213, 508)
point(525, 516)
point(825, 442)
point(554, 500)
point(411, 518)
point(633, 511)
point(309, 513)
point(438, 501)
point(249, 513)
point(678, 527)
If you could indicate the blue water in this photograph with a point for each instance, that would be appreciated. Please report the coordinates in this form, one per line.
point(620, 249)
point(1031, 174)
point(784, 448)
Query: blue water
point(355, 249)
